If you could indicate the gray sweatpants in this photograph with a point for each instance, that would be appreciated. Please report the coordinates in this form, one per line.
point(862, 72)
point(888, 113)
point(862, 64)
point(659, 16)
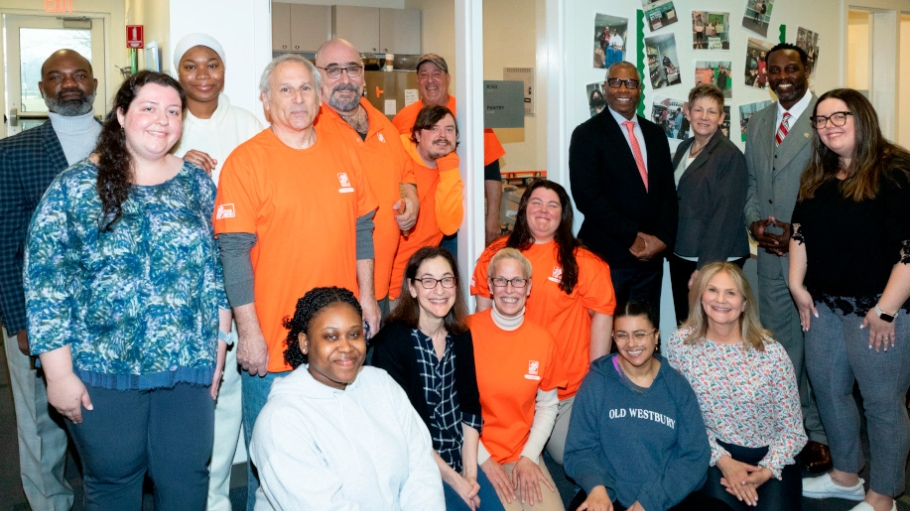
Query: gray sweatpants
point(837, 353)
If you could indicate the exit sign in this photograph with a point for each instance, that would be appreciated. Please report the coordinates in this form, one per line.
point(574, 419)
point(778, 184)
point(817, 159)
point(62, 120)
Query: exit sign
point(58, 5)
point(134, 37)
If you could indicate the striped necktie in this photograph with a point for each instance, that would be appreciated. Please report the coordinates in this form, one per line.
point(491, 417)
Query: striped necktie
point(783, 129)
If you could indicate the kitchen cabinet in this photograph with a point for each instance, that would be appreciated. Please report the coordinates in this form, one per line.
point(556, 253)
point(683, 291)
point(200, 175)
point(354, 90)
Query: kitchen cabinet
point(300, 27)
point(378, 30)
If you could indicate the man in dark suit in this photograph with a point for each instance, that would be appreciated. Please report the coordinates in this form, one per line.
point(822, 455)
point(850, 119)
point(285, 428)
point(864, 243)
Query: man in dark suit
point(622, 180)
point(778, 147)
point(29, 162)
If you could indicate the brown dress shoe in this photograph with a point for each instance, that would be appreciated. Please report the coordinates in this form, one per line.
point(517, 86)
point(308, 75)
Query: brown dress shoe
point(815, 457)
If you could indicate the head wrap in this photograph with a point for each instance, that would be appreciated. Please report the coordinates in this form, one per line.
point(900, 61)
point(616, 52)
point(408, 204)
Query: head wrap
point(191, 41)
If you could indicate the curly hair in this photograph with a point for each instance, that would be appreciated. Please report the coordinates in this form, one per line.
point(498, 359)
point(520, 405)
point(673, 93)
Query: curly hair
point(115, 165)
point(312, 302)
point(522, 239)
point(803, 56)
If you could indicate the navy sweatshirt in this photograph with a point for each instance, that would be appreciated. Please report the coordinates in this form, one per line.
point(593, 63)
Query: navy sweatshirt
point(648, 445)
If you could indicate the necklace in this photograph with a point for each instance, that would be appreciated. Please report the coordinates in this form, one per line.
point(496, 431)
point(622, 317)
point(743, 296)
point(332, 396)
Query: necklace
point(694, 152)
point(358, 120)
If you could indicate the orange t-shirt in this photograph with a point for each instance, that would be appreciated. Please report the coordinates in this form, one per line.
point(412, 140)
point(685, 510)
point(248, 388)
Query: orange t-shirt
point(385, 166)
point(405, 119)
point(441, 209)
point(303, 205)
point(565, 316)
point(511, 367)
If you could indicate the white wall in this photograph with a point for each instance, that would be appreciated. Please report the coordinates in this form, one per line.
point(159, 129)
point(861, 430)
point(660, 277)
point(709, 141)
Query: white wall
point(391, 4)
point(858, 25)
point(153, 15)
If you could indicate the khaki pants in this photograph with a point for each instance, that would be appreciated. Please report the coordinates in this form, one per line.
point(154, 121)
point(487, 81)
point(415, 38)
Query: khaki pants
point(551, 499)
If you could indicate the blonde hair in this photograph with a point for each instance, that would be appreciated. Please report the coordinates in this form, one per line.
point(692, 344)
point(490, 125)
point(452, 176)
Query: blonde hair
point(752, 332)
point(515, 255)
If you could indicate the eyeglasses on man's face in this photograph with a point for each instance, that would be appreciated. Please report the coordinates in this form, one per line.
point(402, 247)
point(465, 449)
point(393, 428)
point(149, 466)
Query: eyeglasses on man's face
point(638, 335)
point(516, 282)
point(614, 83)
point(431, 283)
point(837, 119)
point(353, 70)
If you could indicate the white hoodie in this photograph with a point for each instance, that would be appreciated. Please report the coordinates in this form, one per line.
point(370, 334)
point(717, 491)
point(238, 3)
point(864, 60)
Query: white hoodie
point(362, 448)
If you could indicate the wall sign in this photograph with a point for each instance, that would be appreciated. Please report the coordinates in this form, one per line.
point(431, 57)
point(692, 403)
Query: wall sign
point(503, 104)
point(134, 37)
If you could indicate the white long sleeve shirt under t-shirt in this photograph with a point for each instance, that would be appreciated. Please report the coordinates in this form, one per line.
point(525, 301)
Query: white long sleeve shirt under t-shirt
point(363, 448)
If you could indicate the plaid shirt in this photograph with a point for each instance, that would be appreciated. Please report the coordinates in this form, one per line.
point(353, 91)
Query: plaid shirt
point(438, 376)
point(29, 161)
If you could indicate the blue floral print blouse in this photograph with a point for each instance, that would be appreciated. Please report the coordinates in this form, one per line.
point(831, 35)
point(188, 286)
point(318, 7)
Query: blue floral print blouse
point(137, 305)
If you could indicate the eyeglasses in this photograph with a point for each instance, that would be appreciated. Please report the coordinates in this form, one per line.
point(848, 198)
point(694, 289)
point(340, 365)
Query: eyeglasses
point(638, 335)
point(614, 83)
point(430, 283)
point(335, 71)
point(837, 119)
point(517, 282)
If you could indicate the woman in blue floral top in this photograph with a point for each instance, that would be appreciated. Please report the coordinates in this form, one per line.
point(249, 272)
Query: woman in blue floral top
point(126, 306)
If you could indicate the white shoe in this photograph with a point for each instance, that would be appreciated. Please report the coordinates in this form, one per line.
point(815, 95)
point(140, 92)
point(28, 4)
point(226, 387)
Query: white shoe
point(824, 487)
point(864, 506)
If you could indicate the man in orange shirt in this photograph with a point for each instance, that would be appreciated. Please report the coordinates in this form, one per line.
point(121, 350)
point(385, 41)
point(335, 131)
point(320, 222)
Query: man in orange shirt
point(293, 212)
point(432, 150)
point(433, 82)
point(345, 113)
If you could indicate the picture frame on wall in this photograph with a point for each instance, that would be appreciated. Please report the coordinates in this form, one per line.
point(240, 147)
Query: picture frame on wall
point(153, 56)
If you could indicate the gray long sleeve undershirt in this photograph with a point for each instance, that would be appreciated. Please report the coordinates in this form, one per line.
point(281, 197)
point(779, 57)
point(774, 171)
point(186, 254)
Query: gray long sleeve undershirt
point(238, 268)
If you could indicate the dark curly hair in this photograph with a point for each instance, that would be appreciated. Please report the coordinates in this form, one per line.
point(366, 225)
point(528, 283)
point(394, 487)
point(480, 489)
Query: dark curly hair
point(803, 56)
point(408, 309)
point(522, 239)
point(312, 302)
point(115, 165)
point(428, 117)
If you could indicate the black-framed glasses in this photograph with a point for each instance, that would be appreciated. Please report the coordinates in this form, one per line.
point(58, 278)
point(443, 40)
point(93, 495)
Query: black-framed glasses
point(837, 119)
point(353, 70)
point(630, 83)
point(638, 335)
point(516, 282)
point(431, 283)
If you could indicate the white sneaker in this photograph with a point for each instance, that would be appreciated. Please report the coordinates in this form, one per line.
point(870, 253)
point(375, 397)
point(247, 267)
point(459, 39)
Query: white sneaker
point(864, 506)
point(823, 487)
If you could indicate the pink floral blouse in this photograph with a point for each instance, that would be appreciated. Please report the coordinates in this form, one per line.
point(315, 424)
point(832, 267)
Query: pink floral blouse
point(747, 398)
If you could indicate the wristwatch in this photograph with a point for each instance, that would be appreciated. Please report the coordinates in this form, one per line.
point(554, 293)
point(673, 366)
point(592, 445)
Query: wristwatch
point(884, 317)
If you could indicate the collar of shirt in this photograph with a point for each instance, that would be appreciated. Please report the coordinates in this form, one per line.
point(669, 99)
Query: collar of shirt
point(795, 110)
point(635, 129)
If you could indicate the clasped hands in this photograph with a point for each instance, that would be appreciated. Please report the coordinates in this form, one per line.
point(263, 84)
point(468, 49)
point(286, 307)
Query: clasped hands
point(777, 244)
point(647, 246)
point(742, 480)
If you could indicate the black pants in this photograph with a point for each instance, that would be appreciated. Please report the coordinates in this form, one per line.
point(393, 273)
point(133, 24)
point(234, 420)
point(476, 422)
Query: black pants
point(640, 283)
point(694, 502)
point(680, 271)
point(775, 495)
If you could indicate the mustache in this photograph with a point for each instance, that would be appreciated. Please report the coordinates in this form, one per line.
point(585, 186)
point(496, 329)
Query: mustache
point(344, 86)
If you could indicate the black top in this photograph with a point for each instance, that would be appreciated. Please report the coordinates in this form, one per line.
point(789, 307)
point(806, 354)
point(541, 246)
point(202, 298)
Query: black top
point(608, 189)
point(395, 352)
point(851, 246)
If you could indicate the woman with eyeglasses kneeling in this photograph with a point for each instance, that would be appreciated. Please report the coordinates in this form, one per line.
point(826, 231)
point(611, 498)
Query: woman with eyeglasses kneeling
point(637, 440)
point(333, 434)
point(747, 392)
point(518, 375)
point(850, 278)
point(426, 347)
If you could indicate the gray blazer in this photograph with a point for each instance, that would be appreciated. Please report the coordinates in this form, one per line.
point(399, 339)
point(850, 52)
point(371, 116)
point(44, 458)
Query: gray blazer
point(774, 174)
point(712, 192)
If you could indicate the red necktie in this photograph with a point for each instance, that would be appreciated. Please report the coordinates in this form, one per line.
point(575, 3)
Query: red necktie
point(783, 129)
point(636, 151)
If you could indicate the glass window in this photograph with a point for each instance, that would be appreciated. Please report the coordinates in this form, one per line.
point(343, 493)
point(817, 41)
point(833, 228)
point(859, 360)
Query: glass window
point(36, 45)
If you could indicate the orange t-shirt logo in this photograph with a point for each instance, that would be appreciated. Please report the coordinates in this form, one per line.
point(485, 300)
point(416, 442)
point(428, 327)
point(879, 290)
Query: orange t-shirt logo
point(557, 274)
point(345, 183)
point(225, 211)
point(533, 368)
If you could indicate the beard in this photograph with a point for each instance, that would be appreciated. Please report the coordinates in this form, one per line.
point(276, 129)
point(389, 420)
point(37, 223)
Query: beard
point(70, 107)
point(344, 106)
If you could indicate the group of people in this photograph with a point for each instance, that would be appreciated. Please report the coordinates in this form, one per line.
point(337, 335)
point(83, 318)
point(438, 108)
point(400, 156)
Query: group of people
point(161, 265)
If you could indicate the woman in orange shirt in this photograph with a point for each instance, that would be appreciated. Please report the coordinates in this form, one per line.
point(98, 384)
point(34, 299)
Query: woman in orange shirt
point(518, 374)
point(573, 297)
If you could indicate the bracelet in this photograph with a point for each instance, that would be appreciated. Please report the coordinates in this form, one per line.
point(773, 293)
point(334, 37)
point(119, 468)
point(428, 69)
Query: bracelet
point(224, 336)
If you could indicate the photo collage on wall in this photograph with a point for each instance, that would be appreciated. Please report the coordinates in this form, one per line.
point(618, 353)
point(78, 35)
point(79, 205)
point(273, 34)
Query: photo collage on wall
point(710, 30)
point(659, 13)
point(719, 73)
point(610, 34)
point(756, 74)
point(663, 64)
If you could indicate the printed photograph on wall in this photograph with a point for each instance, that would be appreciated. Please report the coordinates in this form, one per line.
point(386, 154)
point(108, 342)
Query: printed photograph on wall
point(663, 64)
point(725, 126)
point(669, 114)
point(716, 72)
point(609, 40)
point(710, 30)
point(659, 13)
point(756, 74)
point(758, 16)
point(746, 111)
point(596, 99)
point(808, 41)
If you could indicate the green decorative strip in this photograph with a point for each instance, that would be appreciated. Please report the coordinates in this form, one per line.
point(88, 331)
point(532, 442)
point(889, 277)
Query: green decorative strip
point(640, 56)
point(783, 34)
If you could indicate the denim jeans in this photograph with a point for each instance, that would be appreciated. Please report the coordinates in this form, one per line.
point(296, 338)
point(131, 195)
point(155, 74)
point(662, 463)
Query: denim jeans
point(255, 391)
point(489, 500)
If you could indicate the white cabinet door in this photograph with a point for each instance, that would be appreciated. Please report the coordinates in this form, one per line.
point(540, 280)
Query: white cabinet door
point(399, 31)
point(358, 25)
point(281, 27)
point(311, 25)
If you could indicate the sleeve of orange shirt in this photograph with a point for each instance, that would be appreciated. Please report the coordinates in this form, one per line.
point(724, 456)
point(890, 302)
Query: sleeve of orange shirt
point(554, 374)
point(492, 148)
point(594, 285)
point(239, 196)
point(366, 201)
point(480, 282)
point(449, 197)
